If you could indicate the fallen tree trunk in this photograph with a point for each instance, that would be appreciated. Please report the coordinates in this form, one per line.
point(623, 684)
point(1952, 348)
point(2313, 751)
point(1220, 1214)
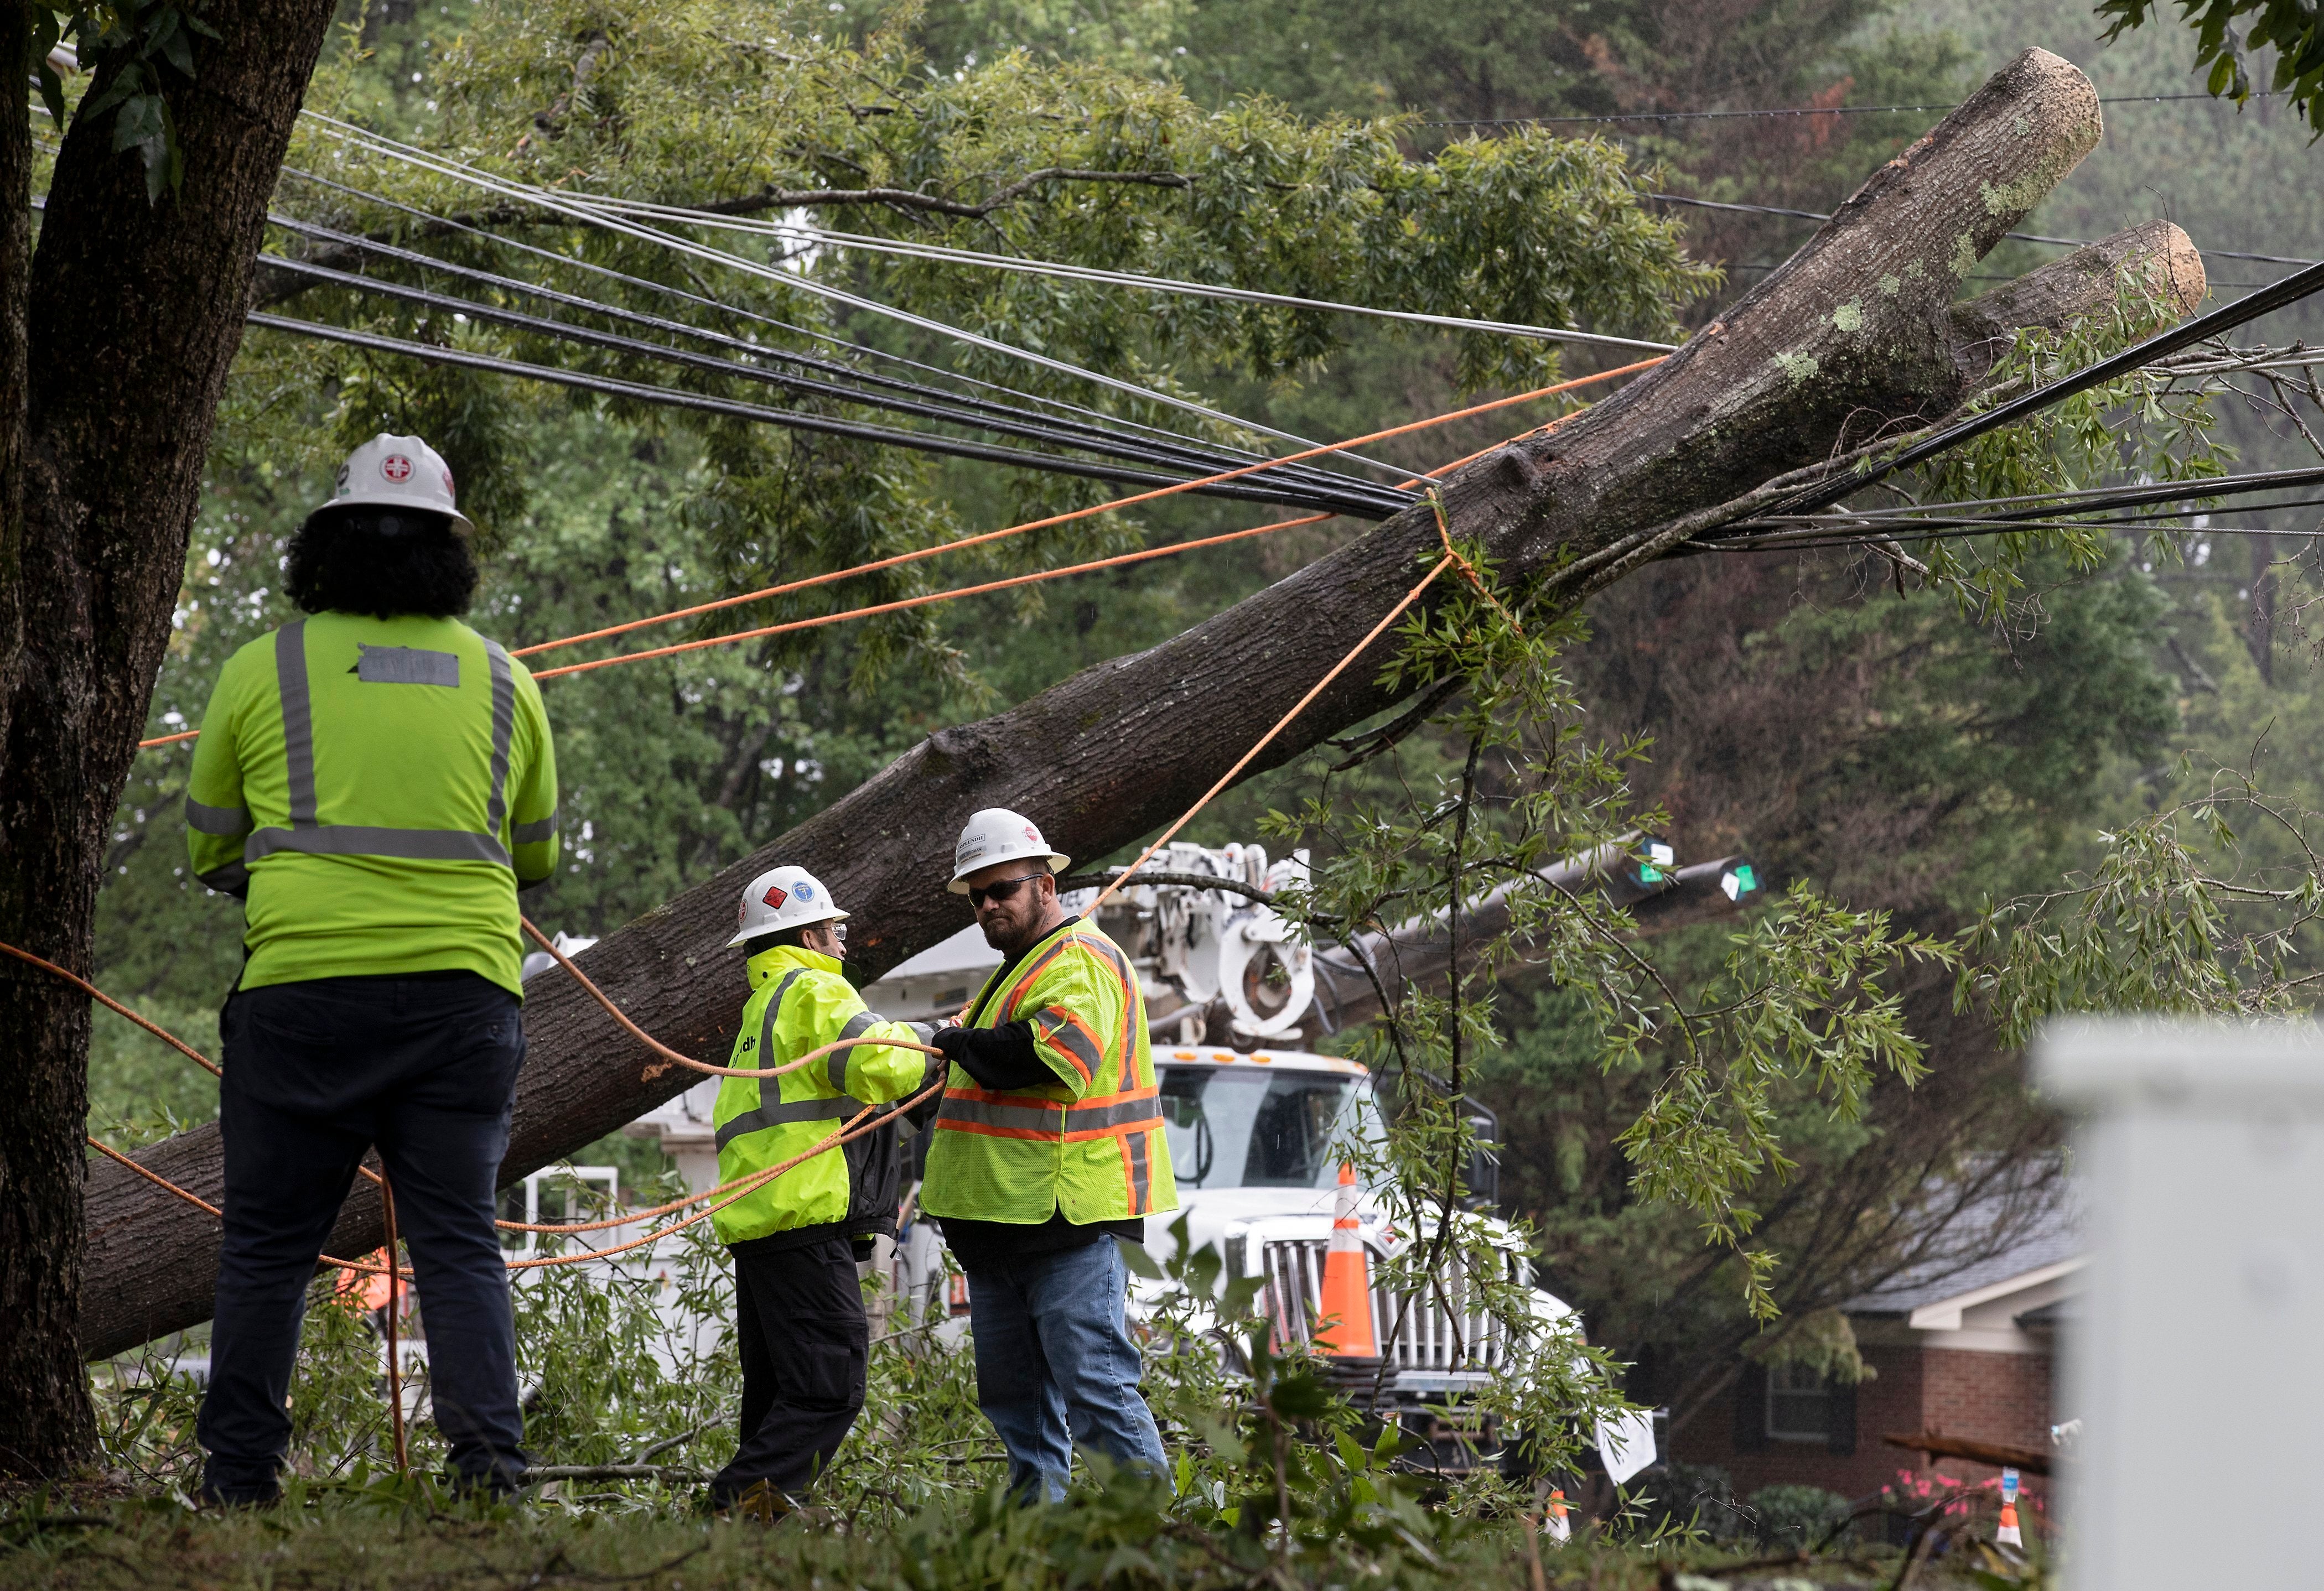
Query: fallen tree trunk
point(1857, 335)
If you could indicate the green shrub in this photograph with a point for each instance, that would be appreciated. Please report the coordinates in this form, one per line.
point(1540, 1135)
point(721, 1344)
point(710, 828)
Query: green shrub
point(1797, 1516)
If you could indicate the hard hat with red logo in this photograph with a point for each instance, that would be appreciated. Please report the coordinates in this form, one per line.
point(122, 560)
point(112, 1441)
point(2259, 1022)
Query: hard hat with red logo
point(782, 899)
point(398, 471)
point(997, 834)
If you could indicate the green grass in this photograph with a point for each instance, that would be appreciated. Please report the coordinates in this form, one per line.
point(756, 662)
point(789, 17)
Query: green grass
point(391, 1536)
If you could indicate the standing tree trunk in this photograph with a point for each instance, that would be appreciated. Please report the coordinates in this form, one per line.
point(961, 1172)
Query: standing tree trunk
point(1858, 332)
point(134, 314)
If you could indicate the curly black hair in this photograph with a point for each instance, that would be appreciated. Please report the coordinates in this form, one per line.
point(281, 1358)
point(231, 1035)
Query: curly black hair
point(364, 559)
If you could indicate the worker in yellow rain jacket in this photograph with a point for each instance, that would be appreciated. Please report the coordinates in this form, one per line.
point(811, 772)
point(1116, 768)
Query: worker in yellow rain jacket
point(796, 1238)
point(1047, 1155)
point(376, 781)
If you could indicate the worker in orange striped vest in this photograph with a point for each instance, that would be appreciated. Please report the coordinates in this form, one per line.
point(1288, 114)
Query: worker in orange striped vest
point(1048, 1154)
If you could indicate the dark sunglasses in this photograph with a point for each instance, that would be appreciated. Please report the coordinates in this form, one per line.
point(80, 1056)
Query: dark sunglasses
point(1000, 889)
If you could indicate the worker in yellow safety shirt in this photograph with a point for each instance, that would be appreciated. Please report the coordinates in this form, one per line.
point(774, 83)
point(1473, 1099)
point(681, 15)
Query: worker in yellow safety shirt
point(796, 1238)
point(1048, 1153)
point(376, 781)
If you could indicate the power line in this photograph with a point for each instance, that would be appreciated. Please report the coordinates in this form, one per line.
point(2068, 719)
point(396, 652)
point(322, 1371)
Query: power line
point(717, 306)
point(347, 132)
point(1780, 111)
point(935, 252)
point(2051, 505)
point(1020, 423)
point(791, 419)
point(2070, 243)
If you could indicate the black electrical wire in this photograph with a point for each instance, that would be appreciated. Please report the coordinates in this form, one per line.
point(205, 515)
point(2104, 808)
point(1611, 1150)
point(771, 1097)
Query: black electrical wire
point(1881, 538)
point(1248, 490)
point(2292, 288)
point(2100, 499)
point(1204, 458)
point(1394, 470)
point(1362, 499)
point(1931, 523)
point(811, 334)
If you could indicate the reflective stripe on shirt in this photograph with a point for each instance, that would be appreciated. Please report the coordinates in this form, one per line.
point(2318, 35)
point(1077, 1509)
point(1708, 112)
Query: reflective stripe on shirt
point(312, 838)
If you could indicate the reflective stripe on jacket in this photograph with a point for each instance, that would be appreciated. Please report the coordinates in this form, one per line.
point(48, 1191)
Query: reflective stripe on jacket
point(1091, 1145)
point(381, 788)
point(799, 1002)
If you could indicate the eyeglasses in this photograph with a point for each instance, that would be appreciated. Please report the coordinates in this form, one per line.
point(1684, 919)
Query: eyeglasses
point(999, 890)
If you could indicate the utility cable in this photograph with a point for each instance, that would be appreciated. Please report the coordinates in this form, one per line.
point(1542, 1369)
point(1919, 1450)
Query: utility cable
point(1784, 111)
point(442, 166)
point(719, 307)
point(2068, 242)
point(1206, 453)
point(2291, 289)
point(1349, 492)
point(797, 420)
point(1050, 268)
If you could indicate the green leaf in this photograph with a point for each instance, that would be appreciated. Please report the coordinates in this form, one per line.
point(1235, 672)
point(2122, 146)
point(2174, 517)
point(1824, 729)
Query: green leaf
point(1135, 1257)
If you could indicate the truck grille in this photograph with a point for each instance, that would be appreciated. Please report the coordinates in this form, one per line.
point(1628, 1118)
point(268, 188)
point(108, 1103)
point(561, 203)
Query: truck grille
point(1434, 1338)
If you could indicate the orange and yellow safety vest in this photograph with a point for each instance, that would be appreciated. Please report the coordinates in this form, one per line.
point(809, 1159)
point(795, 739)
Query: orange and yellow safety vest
point(1090, 1144)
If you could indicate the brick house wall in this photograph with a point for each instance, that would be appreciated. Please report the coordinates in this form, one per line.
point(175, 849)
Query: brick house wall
point(1996, 1396)
point(1993, 1397)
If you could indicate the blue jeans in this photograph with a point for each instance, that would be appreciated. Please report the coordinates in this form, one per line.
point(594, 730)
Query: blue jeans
point(317, 1073)
point(1055, 1365)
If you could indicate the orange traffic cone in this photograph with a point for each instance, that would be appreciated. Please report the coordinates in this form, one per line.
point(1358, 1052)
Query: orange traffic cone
point(1554, 1521)
point(1344, 1314)
point(2009, 1535)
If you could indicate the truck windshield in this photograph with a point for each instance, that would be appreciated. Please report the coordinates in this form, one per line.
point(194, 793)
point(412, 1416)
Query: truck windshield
point(1233, 1126)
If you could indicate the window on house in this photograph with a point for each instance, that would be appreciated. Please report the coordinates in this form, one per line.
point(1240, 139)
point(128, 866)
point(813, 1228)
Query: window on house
point(1799, 1404)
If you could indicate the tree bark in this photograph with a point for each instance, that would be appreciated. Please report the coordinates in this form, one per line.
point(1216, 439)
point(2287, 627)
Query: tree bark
point(1858, 333)
point(119, 336)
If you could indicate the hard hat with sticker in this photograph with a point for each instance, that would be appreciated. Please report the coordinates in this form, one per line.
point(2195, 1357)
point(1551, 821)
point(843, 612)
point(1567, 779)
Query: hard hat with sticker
point(399, 472)
point(997, 835)
point(782, 898)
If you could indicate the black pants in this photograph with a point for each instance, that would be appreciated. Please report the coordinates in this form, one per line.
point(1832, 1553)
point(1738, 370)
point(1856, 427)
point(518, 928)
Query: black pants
point(317, 1073)
point(804, 1342)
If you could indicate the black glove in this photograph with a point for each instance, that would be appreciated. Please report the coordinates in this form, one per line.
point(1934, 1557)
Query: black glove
point(999, 1058)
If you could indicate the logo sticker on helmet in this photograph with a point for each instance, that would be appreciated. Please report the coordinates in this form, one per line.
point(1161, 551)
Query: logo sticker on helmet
point(1032, 835)
point(804, 891)
point(396, 468)
point(776, 897)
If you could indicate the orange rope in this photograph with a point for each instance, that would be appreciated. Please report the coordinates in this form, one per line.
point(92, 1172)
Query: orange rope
point(631, 1218)
point(667, 1053)
point(847, 1134)
point(844, 614)
point(110, 1152)
point(394, 1360)
point(1017, 529)
point(1228, 777)
point(1083, 513)
point(110, 1004)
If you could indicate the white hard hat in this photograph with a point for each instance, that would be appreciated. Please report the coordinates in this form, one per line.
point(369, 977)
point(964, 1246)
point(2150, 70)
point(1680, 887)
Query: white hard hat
point(784, 897)
point(997, 834)
point(398, 471)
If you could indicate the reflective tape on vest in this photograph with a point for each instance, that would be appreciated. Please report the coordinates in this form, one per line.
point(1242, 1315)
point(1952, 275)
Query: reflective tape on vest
point(313, 838)
point(1051, 1121)
point(781, 1112)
